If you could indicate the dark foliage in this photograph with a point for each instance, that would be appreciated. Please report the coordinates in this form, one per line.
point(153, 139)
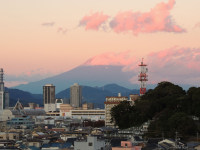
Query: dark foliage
point(169, 108)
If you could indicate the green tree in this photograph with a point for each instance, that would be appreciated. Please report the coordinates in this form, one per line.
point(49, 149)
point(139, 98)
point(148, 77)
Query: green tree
point(120, 114)
point(182, 123)
point(168, 107)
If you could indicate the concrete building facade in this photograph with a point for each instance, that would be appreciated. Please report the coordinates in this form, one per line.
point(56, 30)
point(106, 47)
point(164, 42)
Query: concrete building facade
point(76, 95)
point(91, 143)
point(109, 104)
point(49, 97)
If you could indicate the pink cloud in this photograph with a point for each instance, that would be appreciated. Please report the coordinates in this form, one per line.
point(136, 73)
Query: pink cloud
point(179, 65)
point(111, 58)
point(48, 24)
point(157, 19)
point(197, 25)
point(94, 21)
point(62, 30)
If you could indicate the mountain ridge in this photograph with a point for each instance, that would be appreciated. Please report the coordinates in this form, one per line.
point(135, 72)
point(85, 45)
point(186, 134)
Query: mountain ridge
point(84, 75)
point(94, 95)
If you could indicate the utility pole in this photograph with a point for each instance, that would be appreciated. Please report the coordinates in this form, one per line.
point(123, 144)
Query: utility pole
point(176, 139)
point(197, 136)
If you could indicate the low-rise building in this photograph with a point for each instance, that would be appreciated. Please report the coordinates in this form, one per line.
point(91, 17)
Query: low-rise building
point(90, 143)
point(10, 135)
point(33, 143)
point(21, 122)
point(127, 145)
point(87, 106)
point(66, 110)
point(93, 114)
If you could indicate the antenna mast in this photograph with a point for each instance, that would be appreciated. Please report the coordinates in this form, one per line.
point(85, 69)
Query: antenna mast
point(143, 77)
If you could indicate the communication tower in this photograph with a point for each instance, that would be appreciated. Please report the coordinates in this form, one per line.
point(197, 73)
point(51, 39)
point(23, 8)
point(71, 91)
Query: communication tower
point(143, 77)
point(1, 75)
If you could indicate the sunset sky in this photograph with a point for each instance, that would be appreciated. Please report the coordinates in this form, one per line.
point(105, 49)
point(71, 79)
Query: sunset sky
point(42, 38)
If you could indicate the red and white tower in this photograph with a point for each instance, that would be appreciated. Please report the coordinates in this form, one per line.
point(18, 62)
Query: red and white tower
point(143, 77)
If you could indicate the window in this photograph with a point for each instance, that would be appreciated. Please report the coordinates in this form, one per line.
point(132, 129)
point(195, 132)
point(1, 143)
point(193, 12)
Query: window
point(90, 144)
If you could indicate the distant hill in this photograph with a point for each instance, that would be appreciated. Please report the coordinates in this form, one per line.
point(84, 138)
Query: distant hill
point(24, 97)
point(84, 75)
point(94, 95)
point(97, 95)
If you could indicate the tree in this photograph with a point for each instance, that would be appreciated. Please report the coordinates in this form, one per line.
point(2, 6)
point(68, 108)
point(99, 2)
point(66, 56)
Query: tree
point(168, 107)
point(182, 123)
point(120, 114)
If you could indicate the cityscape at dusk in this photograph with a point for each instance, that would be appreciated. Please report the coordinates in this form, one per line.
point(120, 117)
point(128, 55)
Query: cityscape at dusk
point(99, 75)
point(40, 39)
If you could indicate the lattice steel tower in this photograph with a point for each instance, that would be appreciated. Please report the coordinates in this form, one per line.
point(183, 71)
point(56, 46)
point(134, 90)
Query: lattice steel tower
point(143, 77)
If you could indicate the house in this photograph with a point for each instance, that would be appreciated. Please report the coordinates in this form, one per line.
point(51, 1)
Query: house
point(127, 145)
point(33, 143)
point(90, 143)
point(193, 145)
point(10, 135)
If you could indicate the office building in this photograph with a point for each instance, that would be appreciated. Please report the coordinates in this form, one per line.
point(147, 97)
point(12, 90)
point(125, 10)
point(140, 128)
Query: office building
point(76, 95)
point(49, 97)
point(4, 96)
point(109, 104)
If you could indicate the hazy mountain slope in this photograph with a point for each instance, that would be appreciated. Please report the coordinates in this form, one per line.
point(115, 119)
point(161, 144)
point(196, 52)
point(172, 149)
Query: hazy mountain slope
point(97, 95)
point(84, 75)
point(24, 97)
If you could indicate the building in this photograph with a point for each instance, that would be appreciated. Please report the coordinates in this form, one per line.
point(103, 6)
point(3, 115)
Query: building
point(4, 96)
point(134, 97)
point(91, 143)
point(58, 102)
point(109, 104)
point(127, 145)
point(10, 135)
point(49, 97)
point(66, 110)
point(93, 114)
point(87, 106)
point(76, 95)
point(21, 122)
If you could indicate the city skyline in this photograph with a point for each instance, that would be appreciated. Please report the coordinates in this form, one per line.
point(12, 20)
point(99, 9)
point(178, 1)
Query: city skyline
point(40, 39)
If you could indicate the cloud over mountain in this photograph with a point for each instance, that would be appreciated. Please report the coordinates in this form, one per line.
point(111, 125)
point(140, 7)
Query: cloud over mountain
point(176, 64)
point(111, 58)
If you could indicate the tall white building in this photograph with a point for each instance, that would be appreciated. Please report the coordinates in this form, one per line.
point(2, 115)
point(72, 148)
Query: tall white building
point(76, 95)
point(49, 97)
point(4, 96)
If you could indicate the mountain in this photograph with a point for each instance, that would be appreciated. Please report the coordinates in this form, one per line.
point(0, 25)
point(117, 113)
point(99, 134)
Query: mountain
point(24, 97)
point(84, 75)
point(97, 95)
point(114, 88)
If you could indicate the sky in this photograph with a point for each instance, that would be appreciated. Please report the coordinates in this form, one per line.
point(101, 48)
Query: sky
point(39, 39)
